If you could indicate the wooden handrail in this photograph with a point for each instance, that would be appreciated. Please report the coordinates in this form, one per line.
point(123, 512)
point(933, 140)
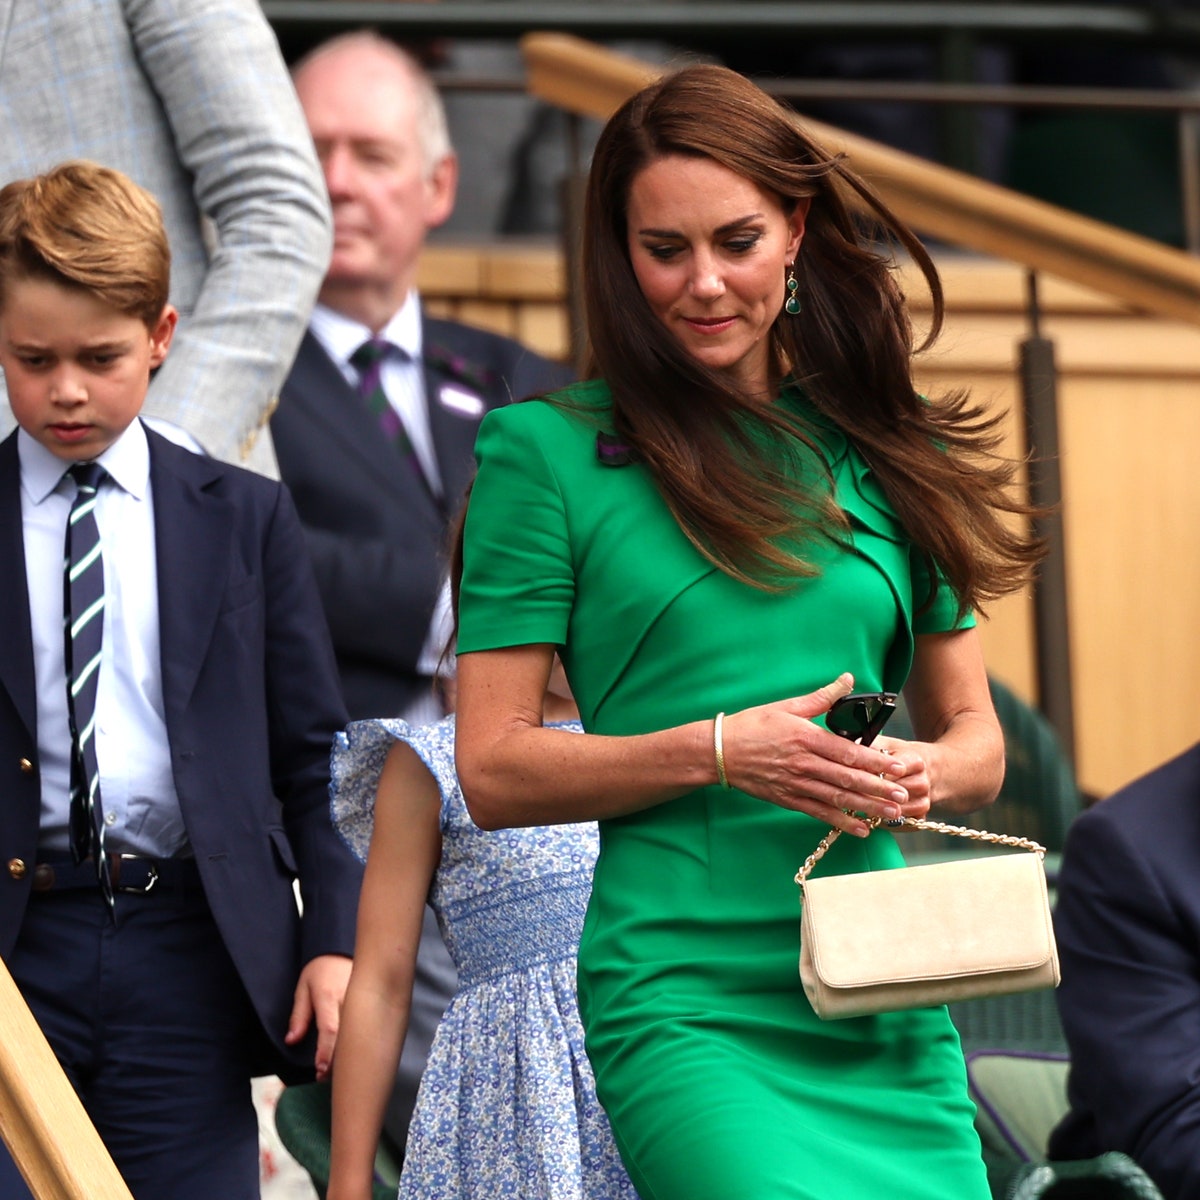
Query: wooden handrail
point(43, 1124)
point(590, 80)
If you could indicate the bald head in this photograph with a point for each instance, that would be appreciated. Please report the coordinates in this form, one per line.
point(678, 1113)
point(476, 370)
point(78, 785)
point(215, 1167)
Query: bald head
point(381, 60)
point(380, 133)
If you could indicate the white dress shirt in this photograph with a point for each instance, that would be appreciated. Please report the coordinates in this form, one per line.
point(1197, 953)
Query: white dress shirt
point(137, 788)
point(403, 380)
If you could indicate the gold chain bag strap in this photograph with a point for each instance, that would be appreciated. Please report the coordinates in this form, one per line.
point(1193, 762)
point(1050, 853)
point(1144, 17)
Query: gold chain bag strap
point(878, 941)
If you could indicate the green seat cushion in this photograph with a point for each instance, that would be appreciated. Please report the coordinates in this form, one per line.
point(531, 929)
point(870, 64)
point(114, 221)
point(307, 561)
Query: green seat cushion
point(303, 1117)
point(1020, 1096)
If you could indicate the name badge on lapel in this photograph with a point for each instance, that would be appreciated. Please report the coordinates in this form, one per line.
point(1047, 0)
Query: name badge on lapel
point(461, 401)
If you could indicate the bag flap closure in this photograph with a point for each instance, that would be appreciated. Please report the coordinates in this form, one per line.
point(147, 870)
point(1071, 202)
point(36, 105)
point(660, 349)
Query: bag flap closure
point(970, 916)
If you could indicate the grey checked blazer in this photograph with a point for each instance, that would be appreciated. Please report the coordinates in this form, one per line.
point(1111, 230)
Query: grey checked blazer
point(192, 99)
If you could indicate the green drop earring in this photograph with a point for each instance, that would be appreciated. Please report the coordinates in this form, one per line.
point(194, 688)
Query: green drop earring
point(792, 304)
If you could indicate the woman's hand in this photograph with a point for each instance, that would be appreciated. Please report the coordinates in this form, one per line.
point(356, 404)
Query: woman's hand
point(777, 753)
point(917, 778)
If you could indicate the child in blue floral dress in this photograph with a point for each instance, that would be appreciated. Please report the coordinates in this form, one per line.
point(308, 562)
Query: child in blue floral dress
point(507, 1105)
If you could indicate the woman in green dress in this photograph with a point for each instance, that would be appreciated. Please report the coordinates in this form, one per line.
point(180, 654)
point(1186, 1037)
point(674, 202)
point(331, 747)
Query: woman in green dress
point(747, 511)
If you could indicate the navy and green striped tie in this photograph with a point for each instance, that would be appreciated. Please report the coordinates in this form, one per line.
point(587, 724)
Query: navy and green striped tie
point(83, 622)
point(368, 360)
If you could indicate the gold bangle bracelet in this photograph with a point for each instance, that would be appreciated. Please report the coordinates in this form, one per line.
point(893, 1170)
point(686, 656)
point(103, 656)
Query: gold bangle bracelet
point(719, 749)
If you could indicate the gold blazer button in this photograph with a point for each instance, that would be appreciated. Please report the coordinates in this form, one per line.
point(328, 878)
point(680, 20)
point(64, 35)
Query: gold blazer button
point(26, 766)
point(16, 868)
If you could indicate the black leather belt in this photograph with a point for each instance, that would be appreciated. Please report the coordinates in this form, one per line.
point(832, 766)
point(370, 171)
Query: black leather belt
point(132, 874)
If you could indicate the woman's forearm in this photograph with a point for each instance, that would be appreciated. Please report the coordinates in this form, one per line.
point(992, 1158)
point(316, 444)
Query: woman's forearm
point(960, 743)
point(515, 772)
point(966, 765)
point(535, 776)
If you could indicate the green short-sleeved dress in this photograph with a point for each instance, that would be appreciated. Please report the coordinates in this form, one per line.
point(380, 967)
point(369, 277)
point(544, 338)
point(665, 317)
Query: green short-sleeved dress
point(719, 1080)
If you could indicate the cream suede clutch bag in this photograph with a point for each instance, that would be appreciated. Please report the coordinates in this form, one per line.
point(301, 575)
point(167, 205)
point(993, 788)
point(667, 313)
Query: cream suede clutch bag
point(913, 937)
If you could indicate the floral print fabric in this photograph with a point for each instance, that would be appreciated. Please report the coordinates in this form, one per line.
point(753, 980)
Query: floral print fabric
point(507, 1105)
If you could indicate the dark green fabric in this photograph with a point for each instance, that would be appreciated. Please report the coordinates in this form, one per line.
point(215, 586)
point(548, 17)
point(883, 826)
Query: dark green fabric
point(303, 1118)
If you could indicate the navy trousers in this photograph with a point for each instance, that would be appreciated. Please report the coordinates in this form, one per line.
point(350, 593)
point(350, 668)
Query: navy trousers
point(151, 1023)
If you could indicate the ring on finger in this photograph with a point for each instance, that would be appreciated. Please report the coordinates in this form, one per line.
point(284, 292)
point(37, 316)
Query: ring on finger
point(883, 774)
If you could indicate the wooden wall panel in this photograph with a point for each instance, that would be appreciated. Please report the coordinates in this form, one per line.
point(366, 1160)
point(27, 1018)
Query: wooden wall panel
point(1133, 536)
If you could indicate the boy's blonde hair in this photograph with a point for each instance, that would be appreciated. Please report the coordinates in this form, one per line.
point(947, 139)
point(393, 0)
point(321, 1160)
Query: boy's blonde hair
point(89, 227)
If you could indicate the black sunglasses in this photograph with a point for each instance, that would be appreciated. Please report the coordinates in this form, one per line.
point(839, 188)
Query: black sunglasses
point(861, 716)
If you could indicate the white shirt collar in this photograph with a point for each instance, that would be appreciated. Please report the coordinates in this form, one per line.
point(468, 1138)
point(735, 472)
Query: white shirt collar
point(341, 335)
point(127, 461)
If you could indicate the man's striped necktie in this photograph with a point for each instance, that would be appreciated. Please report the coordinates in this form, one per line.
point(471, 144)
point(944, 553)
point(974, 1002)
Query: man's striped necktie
point(83, 621)
point(368, 360)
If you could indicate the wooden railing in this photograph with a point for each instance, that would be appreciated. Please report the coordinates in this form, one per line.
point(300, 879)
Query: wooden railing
point(42, 1122)
point(589, 80)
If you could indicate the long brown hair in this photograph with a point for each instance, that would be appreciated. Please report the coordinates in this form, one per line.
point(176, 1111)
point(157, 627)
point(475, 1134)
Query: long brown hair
point(850, 349)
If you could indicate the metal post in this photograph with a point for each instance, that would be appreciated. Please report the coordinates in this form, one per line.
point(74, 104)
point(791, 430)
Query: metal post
point(573, 186)
point(1189, 178)
point(958, 124)
point(1039, 386)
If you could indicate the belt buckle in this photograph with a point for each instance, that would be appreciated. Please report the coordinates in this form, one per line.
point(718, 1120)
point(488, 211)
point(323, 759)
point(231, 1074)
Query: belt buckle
point(152, 879)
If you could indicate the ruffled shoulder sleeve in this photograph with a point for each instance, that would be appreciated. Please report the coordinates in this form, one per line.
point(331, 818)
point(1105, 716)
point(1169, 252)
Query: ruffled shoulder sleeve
point(356, 763)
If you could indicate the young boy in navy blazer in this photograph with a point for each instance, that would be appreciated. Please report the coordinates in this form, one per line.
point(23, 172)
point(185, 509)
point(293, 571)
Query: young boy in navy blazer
point(165, 784)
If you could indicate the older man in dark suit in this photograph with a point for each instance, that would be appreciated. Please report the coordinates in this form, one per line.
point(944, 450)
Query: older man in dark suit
point(376, 427)
point(377, 422)
point(1128, 928)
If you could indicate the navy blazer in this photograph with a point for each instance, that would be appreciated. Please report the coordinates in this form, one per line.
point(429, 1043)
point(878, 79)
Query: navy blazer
point(1128, 927)
point(376, 533)
point(252, 706)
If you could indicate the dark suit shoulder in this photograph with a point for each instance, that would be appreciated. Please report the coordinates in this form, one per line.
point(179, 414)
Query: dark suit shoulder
point(312, 371)
point(467, 340)
point(8, 454)
point(211, 474)
point(486, 361)
point(1147, 829)
point(1169, 793)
